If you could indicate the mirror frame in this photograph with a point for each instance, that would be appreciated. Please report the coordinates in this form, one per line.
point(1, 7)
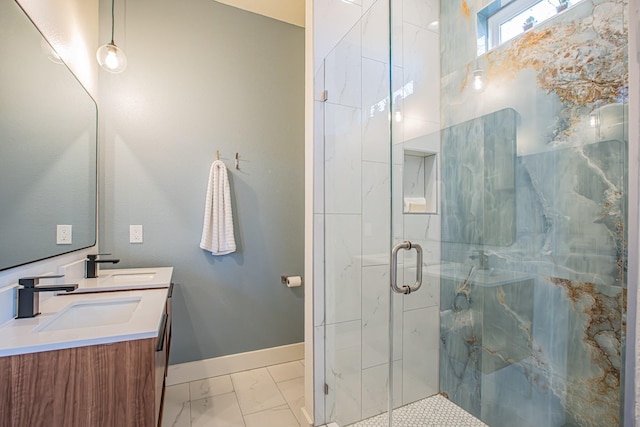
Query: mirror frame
point(94, 146)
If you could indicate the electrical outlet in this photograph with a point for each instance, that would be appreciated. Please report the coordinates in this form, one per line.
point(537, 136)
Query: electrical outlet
point(135, 234)
point(63, 234)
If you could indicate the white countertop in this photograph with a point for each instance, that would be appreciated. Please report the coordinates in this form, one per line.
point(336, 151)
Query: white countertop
point(20, 336)
point(127, 278)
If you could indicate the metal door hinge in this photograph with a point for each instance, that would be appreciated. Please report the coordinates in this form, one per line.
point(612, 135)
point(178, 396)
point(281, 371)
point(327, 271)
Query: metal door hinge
point(325, 96)
point(326, 389)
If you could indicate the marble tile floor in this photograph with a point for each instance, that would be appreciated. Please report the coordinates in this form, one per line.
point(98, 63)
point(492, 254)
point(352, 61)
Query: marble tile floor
point(273, 396)
point(264, 397)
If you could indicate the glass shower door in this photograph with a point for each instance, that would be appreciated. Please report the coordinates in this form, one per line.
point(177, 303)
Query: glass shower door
point(415, 154)
point(361, 220)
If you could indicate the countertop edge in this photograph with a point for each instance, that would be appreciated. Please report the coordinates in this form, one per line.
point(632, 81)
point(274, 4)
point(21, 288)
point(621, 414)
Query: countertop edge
point(65, 345)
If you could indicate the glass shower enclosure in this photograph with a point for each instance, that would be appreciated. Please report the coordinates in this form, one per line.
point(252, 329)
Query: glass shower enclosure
point(504, 159)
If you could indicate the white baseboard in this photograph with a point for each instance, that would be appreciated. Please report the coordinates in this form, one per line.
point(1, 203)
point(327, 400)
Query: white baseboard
point(306, 416)
point(200, 369)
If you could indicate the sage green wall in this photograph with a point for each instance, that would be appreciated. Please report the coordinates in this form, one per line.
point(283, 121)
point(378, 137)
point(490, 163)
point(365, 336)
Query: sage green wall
point(203, 77)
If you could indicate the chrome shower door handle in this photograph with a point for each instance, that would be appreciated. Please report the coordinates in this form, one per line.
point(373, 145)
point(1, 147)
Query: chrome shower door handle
point(394, 268)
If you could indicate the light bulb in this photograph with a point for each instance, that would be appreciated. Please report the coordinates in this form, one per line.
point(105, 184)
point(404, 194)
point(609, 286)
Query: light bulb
point(478, 83)
point(111, 58)
point(397, 115)
point(111, 61)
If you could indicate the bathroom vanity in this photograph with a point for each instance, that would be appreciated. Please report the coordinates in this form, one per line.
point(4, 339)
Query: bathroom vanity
point(97, 357)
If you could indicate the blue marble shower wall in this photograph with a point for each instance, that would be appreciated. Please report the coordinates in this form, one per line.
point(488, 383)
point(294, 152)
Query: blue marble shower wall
point(534, 165)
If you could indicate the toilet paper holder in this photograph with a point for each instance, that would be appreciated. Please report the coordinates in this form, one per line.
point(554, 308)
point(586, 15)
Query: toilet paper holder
point(284, 279)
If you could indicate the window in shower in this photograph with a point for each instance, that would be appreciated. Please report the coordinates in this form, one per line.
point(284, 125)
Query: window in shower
point(503, 20)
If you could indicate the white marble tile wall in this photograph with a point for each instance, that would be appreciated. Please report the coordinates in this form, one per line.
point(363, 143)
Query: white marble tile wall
point(422, 74)
point(343, 293)
point(332, 20)
point(375, 38)
point(375, 379)
point(397, 218)
point(422, 13)
point(343, 70)
point(343, 159)
point(375, 317)
point(318, 155)
point(413, 176)
point(343, 361)
point(355, 210)
point(319, 345)
point(318, 270)
point(375, 213)
point(421, 340)
point(429, 293)
point(375, 111)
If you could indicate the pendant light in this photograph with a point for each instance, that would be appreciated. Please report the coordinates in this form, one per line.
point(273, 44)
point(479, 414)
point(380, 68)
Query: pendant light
point(478, 83)
point(111, 57)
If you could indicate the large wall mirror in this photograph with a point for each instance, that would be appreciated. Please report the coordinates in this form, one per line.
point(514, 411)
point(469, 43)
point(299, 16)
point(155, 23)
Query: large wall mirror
point(48, 131)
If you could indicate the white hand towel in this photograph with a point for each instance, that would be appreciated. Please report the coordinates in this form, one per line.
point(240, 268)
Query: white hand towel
point(217, 231)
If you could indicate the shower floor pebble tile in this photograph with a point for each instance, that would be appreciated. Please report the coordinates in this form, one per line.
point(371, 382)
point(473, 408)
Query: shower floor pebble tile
point(435, 411)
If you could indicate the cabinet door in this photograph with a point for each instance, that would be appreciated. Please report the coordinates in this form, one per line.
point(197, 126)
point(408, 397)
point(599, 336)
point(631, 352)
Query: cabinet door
point(169, 323)
point(161, 365)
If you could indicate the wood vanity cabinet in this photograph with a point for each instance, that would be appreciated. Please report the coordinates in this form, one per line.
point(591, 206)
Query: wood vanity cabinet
point(163, 345)
point(120, 384)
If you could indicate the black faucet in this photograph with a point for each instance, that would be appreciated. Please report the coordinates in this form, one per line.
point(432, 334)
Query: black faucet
point(482, 257)
point(90, 265)
point(29, 302)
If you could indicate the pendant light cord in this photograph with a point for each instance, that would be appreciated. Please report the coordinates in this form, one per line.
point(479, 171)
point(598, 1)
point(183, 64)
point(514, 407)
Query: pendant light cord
point(112, 19)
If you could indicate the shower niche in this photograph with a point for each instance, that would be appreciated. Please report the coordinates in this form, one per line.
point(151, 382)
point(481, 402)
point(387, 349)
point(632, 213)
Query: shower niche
point(419, 178)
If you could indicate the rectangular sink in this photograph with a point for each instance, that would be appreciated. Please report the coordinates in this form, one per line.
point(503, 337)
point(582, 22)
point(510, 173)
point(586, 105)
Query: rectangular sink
point(133, 277)
point(93, 313)
point(127, 279)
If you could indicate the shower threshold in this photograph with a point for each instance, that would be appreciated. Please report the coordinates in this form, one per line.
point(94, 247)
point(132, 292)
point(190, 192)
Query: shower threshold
point(434, 411)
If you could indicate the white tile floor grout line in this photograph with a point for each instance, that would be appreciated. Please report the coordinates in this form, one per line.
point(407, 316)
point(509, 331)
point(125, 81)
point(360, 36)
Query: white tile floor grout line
point(435, 411)
point(176, 416)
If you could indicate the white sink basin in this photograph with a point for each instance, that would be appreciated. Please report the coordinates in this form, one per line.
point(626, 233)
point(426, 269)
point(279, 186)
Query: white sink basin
point(89, 314)
point(133, 277)
point(127, 279)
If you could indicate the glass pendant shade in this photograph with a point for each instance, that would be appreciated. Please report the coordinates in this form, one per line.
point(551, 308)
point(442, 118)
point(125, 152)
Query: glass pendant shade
point(111, 58)
point(478, 83)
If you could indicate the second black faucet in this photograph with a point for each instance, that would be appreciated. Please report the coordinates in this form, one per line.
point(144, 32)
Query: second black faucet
point(91, 262)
